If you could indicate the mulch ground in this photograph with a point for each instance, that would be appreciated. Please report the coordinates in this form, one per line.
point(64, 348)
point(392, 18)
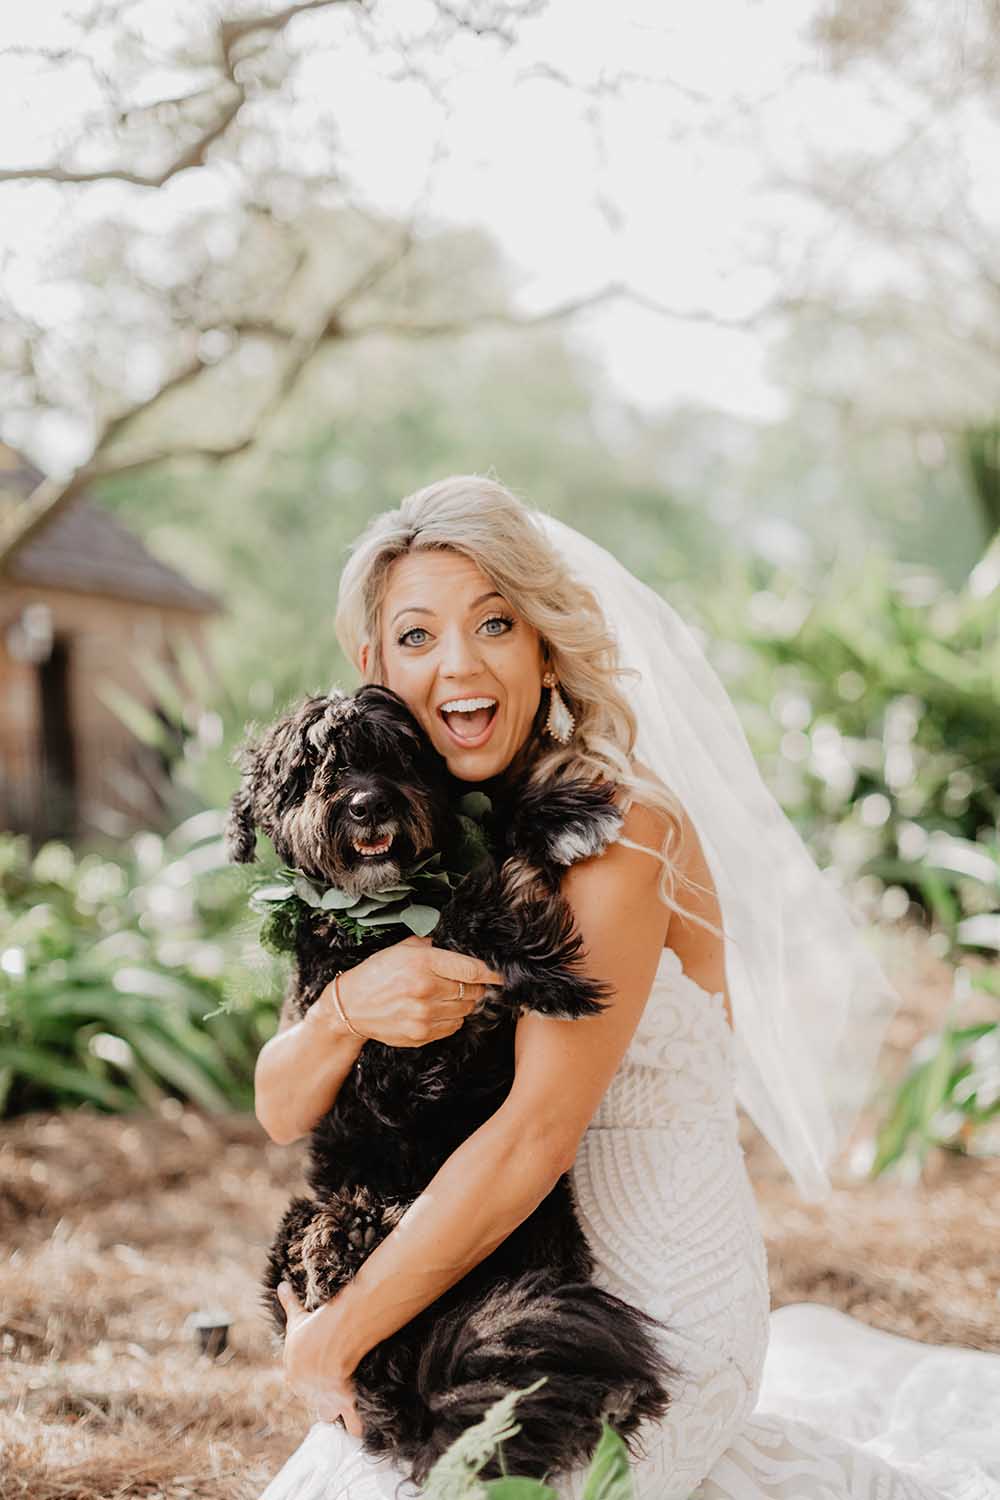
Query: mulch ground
point(118, 1229)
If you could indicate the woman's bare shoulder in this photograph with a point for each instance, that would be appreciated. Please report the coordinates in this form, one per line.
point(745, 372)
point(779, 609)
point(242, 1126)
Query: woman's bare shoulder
point(643, 823)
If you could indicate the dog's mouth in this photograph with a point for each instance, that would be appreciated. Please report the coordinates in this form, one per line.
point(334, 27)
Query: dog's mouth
point(375, 847)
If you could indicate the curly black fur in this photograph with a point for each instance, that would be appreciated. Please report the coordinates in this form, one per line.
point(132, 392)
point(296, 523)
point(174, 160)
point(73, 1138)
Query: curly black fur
point(342, 768)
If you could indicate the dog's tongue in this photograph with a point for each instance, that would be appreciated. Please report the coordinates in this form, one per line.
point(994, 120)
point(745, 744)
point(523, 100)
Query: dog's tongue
point(469, 724)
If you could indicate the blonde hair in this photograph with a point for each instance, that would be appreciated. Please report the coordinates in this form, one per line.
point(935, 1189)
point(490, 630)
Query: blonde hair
point(486, 522)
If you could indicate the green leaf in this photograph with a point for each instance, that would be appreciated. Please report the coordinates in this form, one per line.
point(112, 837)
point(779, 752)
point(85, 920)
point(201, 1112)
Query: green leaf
point(168, 1060)
point(420, 919)
point(268, 893)
point(365, 907)
point(513, 1488)
point(334, 899)
point(935, 1080)
point(41, 1068)
point(475, 804)
point(895, 1131)
point(306, 891)
point(453, 1476)
point(609, 1476)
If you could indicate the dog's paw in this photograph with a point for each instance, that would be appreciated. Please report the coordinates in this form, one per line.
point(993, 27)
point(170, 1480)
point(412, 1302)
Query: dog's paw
point(342, 1234)
point(564, 822)
point(566, 997)
point(582, 837)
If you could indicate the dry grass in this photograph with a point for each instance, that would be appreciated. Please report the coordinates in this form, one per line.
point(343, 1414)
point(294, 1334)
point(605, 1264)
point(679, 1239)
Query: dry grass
point(118, 1229)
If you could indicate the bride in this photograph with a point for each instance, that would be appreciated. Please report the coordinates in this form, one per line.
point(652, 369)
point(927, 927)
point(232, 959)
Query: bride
point(757, 987)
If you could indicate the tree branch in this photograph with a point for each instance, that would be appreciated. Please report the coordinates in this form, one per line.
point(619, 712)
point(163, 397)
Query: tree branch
point(230, 34)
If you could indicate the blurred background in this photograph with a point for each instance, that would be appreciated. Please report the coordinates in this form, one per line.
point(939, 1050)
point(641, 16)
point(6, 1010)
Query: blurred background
point(719, 286)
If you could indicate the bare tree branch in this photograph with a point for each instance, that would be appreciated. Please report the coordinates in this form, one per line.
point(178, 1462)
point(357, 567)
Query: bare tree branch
point(230, 34)
point(193, 156)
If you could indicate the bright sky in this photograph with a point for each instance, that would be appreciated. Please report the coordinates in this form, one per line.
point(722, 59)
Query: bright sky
point(678, 210)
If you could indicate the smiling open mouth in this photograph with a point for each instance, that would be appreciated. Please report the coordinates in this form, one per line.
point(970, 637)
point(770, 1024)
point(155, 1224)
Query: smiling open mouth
point(469, 718)
point(372, 850)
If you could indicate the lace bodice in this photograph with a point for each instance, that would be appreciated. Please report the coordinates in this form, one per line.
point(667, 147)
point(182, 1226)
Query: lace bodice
point(683, 1041)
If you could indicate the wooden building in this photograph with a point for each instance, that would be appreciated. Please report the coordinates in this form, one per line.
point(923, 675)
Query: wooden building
point(82, 603)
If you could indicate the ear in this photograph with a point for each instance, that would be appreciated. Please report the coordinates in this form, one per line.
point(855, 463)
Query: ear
point(312, 731)
point(363, 656)
point(240, 833)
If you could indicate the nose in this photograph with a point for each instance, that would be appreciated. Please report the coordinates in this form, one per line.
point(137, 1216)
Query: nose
point(459, 654)
point(370, 806)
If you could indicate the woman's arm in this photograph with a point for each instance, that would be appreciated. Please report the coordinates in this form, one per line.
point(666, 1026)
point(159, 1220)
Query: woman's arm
point(404, 995)
point(506, 1167)
point(318, 1052)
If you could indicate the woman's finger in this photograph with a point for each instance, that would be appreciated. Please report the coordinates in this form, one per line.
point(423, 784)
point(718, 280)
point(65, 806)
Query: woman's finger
point(291, 1304)
point(448, 965)
point(460, 1005)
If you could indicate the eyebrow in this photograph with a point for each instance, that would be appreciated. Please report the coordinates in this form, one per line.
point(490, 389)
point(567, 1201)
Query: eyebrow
point(418, 609)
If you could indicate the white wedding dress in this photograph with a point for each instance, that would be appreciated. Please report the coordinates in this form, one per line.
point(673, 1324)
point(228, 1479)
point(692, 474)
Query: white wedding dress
point(804, 1403)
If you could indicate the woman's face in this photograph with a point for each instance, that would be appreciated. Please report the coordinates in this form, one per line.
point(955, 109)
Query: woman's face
point(448, 636)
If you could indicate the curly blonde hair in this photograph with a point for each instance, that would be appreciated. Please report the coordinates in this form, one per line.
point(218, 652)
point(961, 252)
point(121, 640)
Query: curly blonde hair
point(486, 522)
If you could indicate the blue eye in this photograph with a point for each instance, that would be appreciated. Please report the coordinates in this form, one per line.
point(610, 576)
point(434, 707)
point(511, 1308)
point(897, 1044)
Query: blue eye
point(504, 620)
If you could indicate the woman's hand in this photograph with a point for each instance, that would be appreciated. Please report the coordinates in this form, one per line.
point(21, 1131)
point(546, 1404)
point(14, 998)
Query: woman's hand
point(407, 995)
point(311, 1366)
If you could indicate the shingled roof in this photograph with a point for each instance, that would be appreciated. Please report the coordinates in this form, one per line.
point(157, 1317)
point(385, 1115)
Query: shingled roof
point(84, 547)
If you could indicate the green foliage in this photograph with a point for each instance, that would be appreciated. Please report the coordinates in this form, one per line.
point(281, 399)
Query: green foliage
point(125, 980)
point(876, 715)
point(872, 706)
point(285, 901)
point(950, 1097)
point(455, 1476)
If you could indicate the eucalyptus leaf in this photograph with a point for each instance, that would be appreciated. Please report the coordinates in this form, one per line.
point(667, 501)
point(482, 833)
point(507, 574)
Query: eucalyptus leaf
point(404, 917)
point(269, 893)
point(420, 919)
point(514, 1487)
point(306, 891)
point(365, 906)
point(334, 899)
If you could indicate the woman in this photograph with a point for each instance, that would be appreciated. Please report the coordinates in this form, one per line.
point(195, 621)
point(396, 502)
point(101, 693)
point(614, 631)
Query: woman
point(463, 602)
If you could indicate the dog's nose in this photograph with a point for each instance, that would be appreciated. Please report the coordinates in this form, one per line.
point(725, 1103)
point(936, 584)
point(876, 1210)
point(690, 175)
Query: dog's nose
point(370, 806)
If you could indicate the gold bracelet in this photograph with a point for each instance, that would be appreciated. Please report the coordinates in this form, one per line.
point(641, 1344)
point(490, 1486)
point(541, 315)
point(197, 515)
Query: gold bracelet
point(340, 1007)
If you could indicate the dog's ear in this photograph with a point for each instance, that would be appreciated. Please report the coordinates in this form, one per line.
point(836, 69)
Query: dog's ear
point(387, 711)
point(239, 836)
point(330, 714)
point(240, 833)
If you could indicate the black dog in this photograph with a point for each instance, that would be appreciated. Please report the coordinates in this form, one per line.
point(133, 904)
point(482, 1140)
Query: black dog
point(342, 772)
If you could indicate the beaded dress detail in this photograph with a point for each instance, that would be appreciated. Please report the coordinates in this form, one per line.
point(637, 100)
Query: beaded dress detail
point(802, 1404)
